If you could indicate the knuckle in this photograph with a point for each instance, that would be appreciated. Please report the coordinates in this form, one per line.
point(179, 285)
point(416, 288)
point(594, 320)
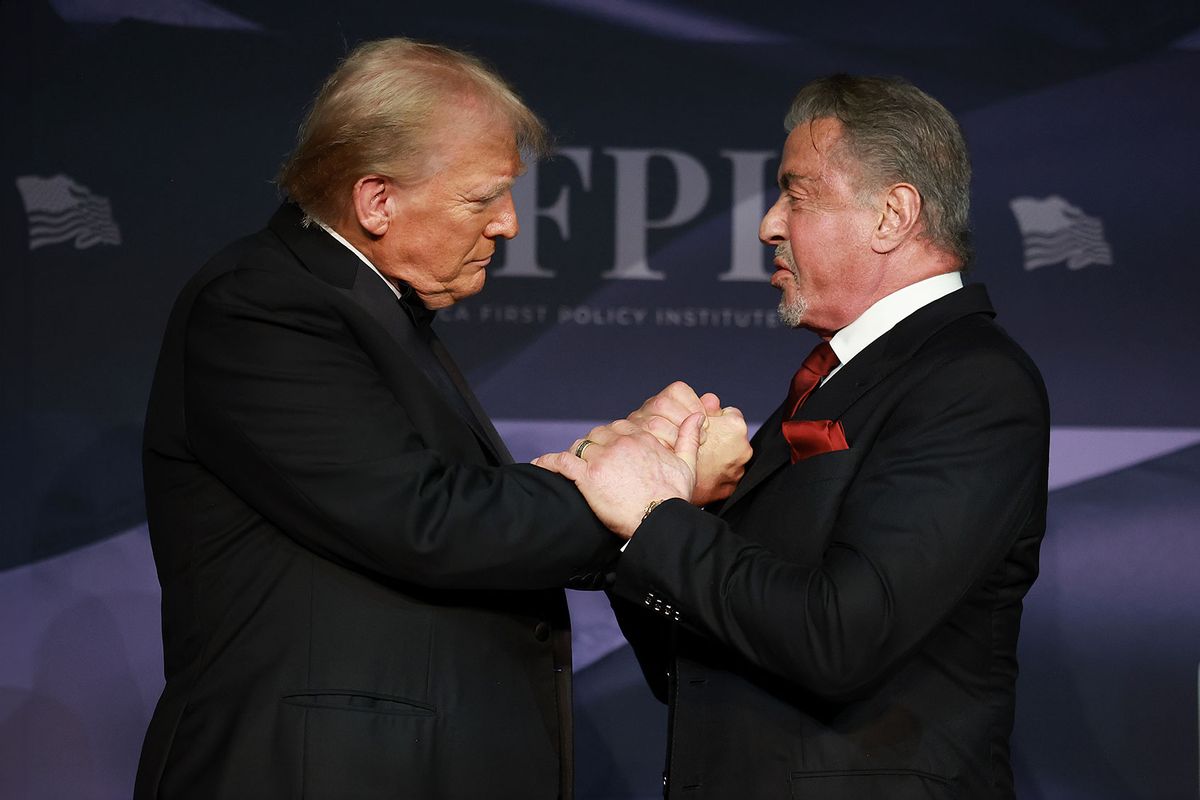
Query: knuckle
point(681, 390)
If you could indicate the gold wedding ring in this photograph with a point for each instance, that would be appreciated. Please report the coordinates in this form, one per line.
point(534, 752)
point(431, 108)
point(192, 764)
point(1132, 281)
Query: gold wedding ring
point(582, 446)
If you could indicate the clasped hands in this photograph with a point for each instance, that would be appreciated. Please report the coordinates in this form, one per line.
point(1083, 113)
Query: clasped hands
point(676, 445)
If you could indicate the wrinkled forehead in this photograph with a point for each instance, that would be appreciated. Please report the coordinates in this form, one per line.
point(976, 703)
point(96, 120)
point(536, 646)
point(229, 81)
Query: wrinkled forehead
point(811, 150)
point(818, 138)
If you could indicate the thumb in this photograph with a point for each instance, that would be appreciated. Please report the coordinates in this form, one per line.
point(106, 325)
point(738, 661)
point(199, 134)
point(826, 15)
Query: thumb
point(688, 442)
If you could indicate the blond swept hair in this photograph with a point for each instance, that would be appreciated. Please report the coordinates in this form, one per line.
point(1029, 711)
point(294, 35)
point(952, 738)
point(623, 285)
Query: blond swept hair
point(378, 114)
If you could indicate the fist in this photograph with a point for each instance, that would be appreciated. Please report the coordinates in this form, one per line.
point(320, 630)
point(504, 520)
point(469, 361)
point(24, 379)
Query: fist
point(722, 458)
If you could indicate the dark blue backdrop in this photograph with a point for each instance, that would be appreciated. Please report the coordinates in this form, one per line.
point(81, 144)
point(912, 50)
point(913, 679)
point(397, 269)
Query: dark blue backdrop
point(141, 136)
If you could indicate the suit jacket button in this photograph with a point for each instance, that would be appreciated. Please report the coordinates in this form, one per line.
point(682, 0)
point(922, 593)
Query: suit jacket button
point(541, 632)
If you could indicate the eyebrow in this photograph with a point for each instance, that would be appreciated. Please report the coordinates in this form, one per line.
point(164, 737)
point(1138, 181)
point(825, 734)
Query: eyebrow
point(495, 190)
point(787, 179)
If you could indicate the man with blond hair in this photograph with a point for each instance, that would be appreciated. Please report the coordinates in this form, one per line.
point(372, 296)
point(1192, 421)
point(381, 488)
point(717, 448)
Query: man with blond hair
point(361, 593)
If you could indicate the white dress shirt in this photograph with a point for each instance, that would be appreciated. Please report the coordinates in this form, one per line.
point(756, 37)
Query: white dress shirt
point(363, 258)
point(886, 313)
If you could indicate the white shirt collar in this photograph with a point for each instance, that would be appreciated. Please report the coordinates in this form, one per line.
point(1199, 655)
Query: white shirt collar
point(887, 312)
point(361, 257)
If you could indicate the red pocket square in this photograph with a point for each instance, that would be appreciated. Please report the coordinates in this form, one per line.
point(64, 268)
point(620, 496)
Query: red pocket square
point(811, 437)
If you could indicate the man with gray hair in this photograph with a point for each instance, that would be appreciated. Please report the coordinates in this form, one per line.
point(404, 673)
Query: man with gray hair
point(361, 593)
point(844, 627)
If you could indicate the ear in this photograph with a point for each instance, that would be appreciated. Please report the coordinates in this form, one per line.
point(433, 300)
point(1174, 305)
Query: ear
point(374, 203)
point(898, 222)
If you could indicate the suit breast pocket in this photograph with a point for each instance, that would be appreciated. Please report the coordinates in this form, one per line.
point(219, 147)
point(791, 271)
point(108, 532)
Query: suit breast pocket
point(899, 784)
point(794, 511)
point(361, 703)
point(358, 745)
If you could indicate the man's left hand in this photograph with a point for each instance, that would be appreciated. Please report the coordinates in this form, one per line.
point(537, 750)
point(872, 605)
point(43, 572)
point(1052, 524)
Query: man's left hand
point(624, 469)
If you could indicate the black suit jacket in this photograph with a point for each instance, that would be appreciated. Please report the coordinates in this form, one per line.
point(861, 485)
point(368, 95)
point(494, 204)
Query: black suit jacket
point(360, 596)
point(847, 625)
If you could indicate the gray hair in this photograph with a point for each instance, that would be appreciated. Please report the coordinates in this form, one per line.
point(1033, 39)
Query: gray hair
point(377, 114)
point(892, 132)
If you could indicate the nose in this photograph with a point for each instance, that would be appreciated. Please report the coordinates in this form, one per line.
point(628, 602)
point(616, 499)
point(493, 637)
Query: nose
point(773, 228)
point(504, 222)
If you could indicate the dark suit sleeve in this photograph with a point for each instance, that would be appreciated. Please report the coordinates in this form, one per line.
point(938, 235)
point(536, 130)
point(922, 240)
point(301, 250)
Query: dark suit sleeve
point(650, 636)
point(939, 501)
point(284, 404)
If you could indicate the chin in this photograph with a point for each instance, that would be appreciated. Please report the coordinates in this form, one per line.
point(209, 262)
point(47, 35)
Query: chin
point(477, 284)
point(458, 294)
point(792, 310)
point(440, 301)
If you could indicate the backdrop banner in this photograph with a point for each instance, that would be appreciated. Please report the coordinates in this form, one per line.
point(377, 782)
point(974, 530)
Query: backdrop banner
point(141, 136)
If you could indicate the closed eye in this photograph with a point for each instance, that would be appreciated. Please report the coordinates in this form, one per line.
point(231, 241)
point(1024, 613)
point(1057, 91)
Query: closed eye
point(489, 195)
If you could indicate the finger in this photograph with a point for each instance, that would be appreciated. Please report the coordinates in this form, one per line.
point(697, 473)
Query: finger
point(662, 405)
point(547, 461)
point(544, 461)
point(565, 464)
point(601, 434)
point(620, 427)
point(687, 444)
point(711, 403)
point(662, 429)
point(732, 411)
point(687, 396)
point(683, 394)
point(734, 424)
point(584, 449)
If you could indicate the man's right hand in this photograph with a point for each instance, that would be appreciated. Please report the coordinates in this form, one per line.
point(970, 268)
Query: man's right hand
point(663, 413)
point(724, 446)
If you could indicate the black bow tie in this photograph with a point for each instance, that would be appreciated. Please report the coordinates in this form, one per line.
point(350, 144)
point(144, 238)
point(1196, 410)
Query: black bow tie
point(421, 316)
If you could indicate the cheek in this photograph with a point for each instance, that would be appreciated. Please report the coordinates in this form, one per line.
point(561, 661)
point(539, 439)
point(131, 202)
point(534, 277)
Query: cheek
point(466, 239)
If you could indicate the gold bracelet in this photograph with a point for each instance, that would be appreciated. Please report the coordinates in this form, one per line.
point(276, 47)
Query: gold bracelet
point(653, 505)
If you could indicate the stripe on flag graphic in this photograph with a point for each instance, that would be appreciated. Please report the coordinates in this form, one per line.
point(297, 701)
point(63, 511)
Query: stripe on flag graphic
point(1053, 231)
point(60, 210)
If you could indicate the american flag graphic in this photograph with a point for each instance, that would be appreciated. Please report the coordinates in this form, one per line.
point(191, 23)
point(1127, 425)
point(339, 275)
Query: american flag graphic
point(60, 210)
point(1055, 231)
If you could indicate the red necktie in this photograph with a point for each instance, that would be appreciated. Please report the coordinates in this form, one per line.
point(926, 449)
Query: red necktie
point(820, 362)
point(810, 437)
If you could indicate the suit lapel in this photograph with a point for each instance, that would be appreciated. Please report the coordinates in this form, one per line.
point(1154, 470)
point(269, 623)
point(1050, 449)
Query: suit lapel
point(480, 422)
point(892, 351)
point(329, 260)
point(880, 359)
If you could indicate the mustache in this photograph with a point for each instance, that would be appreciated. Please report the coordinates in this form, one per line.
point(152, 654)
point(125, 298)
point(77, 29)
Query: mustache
point(784, 251)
